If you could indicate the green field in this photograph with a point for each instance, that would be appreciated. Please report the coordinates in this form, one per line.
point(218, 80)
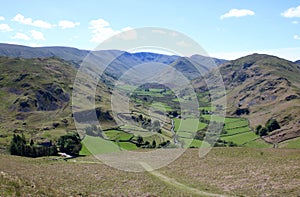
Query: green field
point(213, 118)
point(237, 131)
point(208, 108)
point(258, 143)
point(97, 145)
point(184, 134)
point(161, 106)
point(241, 138)
point(196, 143)
point(293, 143)
point(127, 146)
point(118, 135)
point(189, 125)
point(231, 123)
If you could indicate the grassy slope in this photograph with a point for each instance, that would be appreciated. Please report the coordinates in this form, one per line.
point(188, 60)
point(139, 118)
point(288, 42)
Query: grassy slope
point(22, 79)
point(260, 82)
point(293, 143)
point(229, 171)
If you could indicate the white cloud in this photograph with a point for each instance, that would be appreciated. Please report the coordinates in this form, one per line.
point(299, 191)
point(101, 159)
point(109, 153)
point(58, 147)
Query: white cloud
point(2, 18)
point(65, 24)
point(36, 35)
point(237, 13)
point(292, 12)
point(101, 30)
point(21, 36)
point(296, 37)
point(5, 28)
point(28, 21)
point(295, 22)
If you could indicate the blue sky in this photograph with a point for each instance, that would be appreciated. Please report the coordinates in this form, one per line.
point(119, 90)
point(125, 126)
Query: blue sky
point(225, 29)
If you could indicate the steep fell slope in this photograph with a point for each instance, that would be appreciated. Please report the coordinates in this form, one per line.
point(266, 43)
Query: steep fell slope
point(267, 86)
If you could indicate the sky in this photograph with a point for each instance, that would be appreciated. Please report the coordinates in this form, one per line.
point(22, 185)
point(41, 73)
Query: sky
point(226, 29)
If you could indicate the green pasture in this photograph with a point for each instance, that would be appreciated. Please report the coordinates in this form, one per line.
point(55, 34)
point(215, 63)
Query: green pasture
point(118, 135)
point(292, 143)
point(188, 124)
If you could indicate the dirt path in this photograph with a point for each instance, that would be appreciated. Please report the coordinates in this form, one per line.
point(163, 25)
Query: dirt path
point(176, 184)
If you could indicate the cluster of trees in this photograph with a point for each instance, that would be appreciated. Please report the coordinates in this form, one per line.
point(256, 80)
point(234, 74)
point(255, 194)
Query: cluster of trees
point(146, 144)
point(223, 143)
point(241, 111)
point(204, 111)
point(19, 146)
point(270, 126)
point(70, 144)
point(146, 123)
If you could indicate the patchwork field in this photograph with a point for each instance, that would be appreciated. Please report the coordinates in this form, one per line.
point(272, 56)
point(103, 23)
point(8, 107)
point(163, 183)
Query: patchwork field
point(237, 131)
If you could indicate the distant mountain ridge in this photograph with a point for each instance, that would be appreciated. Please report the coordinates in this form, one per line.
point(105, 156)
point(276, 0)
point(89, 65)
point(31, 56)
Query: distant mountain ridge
point(122, 60)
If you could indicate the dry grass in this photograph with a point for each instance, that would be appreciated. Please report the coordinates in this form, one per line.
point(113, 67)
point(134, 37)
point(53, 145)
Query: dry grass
point(230, 171)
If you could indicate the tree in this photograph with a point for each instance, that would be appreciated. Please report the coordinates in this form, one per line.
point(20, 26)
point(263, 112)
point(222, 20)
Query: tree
point(70, 144)
point(263, 131)
point(18, 144)
point(241, 111)
point(164, 144)
point(31, 142)
point(139, 141)
point(141, 117)
point(272, 125)
point(257, 129)
point(153, 144)
point(19, 147)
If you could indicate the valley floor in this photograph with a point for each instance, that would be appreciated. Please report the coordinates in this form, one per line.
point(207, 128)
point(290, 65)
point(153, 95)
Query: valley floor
point(224, 171)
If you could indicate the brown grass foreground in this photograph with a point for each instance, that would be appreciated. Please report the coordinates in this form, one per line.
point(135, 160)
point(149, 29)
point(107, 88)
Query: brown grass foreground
point(228, 171)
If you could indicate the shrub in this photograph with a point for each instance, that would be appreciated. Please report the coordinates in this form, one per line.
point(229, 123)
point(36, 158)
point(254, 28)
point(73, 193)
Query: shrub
point(272, 125)
point(263, 131)
point(242, 111)
point(257, 129)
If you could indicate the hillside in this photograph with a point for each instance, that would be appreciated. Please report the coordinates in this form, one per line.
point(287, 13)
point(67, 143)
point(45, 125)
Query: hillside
point(223, 172)
point(269, 88)
point(36, 96)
